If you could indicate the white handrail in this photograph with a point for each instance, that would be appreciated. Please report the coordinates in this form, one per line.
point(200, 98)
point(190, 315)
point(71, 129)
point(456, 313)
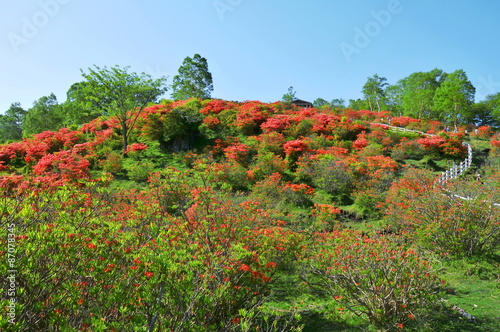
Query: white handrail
point(452, 173)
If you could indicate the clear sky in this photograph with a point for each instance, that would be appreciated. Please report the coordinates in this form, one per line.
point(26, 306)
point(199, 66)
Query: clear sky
point(255, 49)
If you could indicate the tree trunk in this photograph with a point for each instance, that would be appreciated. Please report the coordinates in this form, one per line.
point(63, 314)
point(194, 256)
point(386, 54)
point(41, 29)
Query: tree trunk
point(125, 136)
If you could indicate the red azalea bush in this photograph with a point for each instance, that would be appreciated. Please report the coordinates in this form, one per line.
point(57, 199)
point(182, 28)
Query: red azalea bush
point(294, 147)
point(449, 146)
point(277, 123)
point(451, 225)
point(402, 121)
point(377, 278)
point(361, 142)
point(65, 163)
point(216, 106)
point(495, 142)
point(95, 261)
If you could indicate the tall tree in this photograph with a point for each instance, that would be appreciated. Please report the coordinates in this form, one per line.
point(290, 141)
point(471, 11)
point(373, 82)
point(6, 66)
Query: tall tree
point(11, 123)
point(374, 91)
point(290, 96)
point(418, 93)
point(487, 112)
point(483, 115)
point(122, 94)
point(79, 108)
point(321, 103)
point(44, 115)
point(454, 98)
point(394, 98)
point(193, 80)
point(358, 104)
point(337, 103)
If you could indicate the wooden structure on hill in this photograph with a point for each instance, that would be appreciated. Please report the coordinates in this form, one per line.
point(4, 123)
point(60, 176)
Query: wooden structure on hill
point(302, 103)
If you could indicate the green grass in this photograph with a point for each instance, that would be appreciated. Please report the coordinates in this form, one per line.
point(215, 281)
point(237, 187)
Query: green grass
point(474, 285)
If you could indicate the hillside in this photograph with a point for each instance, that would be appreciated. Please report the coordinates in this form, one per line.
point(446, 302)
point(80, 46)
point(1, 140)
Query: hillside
point(232, 216)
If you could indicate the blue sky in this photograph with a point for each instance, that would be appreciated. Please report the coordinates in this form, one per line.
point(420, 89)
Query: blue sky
point(255, 49)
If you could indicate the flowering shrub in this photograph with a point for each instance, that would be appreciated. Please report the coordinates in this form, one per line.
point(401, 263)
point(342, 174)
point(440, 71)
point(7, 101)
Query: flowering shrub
point(298, 194)
point(65, 163)
point(449, 146)
point(95, 261)
point(267, 164)
point(361, 142)
point(237, 152)
point(294, 147)
point(495, 143)
point(483, 132)
point(278, 123)
point(374, 277)
point(134, 147)
point(252, 115)
point(446, 223)
point(325, 217)
point(402, 121)
point(216, 106)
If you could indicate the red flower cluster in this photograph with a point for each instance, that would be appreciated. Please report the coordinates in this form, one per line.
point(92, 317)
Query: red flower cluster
point(296, 145)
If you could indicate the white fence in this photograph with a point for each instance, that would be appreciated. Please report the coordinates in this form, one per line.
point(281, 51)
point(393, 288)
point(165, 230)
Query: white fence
point(457, 170)
point(452, 173)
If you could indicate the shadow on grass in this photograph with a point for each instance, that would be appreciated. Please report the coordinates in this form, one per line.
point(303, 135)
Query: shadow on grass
point(449, 320)
point(317, 322)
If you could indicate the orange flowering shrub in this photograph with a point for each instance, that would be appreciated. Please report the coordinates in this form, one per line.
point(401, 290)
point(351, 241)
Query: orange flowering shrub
point(374, 277)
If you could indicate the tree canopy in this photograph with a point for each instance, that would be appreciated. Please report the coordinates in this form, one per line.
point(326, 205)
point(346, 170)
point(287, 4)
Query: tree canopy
point(116, 92)
point(374, 91)
point(454, 98)
point(45, 115)
point(194, 79)
point(11, 123)
point(290, 96)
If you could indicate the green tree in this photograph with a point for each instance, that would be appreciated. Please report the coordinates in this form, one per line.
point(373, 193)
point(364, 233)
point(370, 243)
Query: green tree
point(193, 80)
point(393, 98)
point(374, 91)
point(321, 103)
point(122, 94)
point(418, 93)
point(79, 108)
point(454, 98)
point(11, 123)
point(289, 96)
point(46, 114)
point(337, 103)
point(358, 104)
point(491, 110)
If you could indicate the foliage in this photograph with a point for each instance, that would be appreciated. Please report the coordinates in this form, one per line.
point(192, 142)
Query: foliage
point(374, 277)
point(92, 260)
point(454, 98)
point(194, 80)
point(213, 206)
point(418, 93)
point(454, 226)
point(374, 93)
point(122, 94)
point(290, 96)
point(11, 123)
point(45, 115)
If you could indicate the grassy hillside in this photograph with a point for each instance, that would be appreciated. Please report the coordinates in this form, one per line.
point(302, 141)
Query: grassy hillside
point(250, 216)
